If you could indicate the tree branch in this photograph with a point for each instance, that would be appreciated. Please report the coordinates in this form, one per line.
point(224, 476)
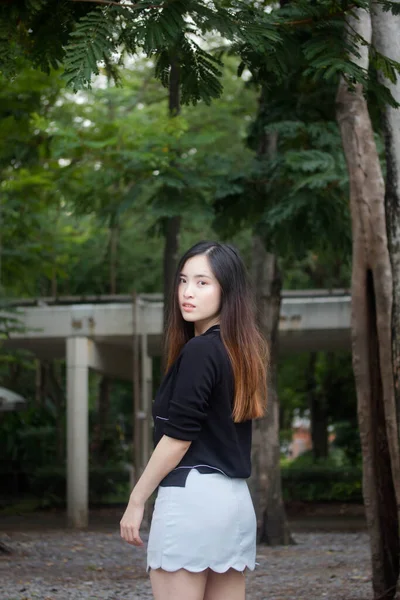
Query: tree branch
point(307, 21)
point(113, 3)
point(311, 20)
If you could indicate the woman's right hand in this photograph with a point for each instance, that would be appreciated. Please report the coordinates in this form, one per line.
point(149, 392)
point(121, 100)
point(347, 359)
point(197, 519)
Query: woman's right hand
point(131, 522)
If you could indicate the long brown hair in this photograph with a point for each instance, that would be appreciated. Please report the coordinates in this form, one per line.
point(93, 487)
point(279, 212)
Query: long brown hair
point(246, 348)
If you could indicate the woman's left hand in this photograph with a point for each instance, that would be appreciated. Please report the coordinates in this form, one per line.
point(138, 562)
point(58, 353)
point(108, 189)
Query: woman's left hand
point(130, 523)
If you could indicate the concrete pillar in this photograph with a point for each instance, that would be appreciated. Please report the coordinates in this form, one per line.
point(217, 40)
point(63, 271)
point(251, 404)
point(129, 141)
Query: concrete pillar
point(77, 431)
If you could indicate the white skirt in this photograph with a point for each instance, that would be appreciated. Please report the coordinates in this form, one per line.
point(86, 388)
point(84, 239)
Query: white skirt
point(209, 523)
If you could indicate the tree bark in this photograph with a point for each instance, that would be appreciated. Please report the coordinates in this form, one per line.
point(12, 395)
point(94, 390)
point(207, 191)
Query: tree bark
point(38, 382)
point(57, 393)
point(114, 237)
point(174, 99)
point(386, 39)
point(103, 410)
point(265, 483)
point(172, 224)
point(318, 412)
point(51, 386)
point(371, 288)
point(171, 249)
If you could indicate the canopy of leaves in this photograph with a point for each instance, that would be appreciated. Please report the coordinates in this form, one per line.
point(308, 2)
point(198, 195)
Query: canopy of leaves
point(87, 179)
point(106, 168)
point(299, 188)
point(83, 35)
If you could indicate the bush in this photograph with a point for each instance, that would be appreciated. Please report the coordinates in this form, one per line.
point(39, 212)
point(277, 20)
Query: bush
point(322, 483)
point(49, 483)
point(348, 440)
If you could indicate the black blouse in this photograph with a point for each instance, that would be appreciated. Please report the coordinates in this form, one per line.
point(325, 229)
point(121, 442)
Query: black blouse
point(194, 403)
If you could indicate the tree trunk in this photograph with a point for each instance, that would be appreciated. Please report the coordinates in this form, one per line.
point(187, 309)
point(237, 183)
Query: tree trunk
point(54, 286)
point(114, 236)
point(318, 412)
point(386, 38)
point(56, 392)
point(103, 410)
point(174, 99)
point(371, 325)
point(265, 482)
point(49, 386)
point(38, 383)
point(272, 527)
point(172, 224)
point(171, 249)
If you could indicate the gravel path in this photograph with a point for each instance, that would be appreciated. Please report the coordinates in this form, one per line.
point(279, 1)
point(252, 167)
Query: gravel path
point(98, 565)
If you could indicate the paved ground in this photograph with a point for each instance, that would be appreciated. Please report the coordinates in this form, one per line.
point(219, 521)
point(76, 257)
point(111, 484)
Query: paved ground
point(50, 562)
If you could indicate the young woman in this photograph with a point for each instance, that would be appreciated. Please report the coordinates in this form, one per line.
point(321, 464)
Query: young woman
point(203, 530)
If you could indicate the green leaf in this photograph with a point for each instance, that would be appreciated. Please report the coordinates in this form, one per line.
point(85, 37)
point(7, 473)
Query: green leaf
point(91, 42)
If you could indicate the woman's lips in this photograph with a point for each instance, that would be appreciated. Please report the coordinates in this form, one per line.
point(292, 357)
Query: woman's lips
point(188, 307)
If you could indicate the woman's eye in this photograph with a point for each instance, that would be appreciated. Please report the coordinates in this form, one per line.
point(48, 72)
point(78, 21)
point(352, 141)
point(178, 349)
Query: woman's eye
point(205, 283)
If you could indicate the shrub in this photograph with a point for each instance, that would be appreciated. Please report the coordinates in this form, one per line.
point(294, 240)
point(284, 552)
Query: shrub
point(50, 482)
point(322, 483)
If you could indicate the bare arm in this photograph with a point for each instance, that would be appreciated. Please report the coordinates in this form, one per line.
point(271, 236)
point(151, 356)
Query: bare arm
point(167, 454)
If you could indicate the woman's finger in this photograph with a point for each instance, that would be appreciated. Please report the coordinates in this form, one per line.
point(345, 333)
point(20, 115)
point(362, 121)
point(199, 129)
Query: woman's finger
point(135, 536)
point(126, 533)
point(137, 540)
point(131, 535)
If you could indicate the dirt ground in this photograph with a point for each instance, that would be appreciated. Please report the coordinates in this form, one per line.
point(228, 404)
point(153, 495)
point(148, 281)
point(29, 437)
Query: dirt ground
point(329, 561)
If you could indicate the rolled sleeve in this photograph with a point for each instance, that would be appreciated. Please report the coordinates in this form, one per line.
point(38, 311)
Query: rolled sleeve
point(196, 377)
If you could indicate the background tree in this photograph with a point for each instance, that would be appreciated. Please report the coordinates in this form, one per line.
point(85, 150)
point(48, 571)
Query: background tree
point(290, 193)
point(80, 35)
point(268, 44)
point(27, 174)
point(371, 326)
point(385, 28)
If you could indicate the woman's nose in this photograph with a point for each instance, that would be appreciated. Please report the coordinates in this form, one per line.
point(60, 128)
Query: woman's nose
point(187, 292)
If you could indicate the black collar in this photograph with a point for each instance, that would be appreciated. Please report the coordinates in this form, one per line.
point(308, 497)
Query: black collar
point(211, 329)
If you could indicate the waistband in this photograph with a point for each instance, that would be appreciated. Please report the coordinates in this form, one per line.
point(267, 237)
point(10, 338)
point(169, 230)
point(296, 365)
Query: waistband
point(177, 477)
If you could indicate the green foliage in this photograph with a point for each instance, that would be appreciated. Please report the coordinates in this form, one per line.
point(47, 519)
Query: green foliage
point(348, 440)
point(165, 34)
point(388, 6)
point(331, 383)
point(90, 43)
point(82, 38)
point(388, 67)
point(199, 71)
point(322, 483)
point(10, 319)
point(73, 172)
point(46, 486)
point(27, 175)
point(32, 446)
point(313, 271)
point(299, 193)
point(77, 171)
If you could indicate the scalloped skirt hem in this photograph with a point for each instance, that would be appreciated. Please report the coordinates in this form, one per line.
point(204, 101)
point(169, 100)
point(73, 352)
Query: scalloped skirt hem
point(198, 569)
point(208, 524)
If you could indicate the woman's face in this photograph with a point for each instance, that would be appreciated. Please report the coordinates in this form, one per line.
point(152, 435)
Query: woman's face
point(199, 294)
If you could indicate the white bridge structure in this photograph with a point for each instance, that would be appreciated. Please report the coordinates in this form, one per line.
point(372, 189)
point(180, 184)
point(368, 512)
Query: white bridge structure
point(119, 336)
